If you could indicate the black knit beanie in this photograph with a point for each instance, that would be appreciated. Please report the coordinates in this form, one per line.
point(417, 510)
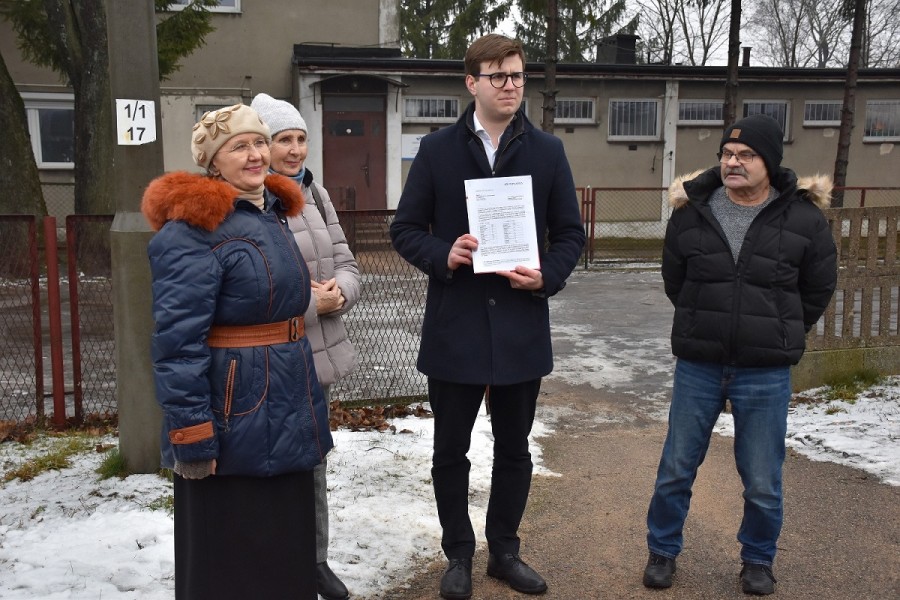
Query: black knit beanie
point(763, 134)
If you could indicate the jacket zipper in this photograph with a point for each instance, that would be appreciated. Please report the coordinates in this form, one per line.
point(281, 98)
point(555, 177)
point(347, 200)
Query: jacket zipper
point(229, 390)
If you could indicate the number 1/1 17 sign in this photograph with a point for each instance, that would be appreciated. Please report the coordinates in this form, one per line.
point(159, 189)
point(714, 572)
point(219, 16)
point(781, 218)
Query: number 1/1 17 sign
point(135, 122)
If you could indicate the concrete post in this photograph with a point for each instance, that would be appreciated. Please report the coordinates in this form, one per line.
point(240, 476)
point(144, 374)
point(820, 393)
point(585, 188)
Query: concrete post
point(134, 75)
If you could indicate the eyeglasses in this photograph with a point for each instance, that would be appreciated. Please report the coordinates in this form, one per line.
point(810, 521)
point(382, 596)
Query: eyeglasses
point(498, 80)
point(243, 148)
point(745, 158)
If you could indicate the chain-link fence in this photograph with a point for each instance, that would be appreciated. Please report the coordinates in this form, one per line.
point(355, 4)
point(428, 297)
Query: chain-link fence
point(21, 358)
point(59, 199)
point(90, 293)
point(624, 224)
point(384, 325)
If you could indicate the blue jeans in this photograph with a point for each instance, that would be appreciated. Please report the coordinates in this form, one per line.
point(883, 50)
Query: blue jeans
point(759, 402)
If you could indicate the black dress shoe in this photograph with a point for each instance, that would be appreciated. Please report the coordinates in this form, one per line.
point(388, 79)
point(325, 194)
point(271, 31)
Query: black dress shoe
point(519, 576)
point(659, 570)
point(456, 584)
point(757, 579)
point(328, 585)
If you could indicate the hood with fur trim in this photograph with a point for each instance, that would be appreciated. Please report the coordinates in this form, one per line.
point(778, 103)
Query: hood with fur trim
point(205, 202)
point(815, 188)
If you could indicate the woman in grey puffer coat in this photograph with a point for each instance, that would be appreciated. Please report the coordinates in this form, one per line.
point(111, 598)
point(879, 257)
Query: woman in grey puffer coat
point(336, 288)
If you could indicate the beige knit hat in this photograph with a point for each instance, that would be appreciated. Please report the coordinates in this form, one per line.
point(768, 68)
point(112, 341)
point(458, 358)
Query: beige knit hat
point(218, 126)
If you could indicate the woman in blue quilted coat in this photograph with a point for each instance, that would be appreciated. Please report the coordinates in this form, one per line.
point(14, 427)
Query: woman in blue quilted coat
point(244, 418)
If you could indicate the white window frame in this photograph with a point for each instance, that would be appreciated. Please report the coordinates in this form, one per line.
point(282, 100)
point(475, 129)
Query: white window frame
point(179, 5)
point(633, 137)
point(822, 122)
point(787, 112)
point(432, 119)
point(702, 122)
point(894, 121)
point(34, 102)
point(587, 101)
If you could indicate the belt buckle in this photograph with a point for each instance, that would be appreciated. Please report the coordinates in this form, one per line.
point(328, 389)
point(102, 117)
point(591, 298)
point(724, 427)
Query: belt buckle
point(294, 329)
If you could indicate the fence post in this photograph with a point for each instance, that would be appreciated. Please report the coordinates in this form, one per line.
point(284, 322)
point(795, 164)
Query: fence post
point(54, 314)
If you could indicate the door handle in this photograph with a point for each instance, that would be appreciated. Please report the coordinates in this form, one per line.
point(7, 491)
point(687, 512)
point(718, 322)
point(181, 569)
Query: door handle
point(365, 169)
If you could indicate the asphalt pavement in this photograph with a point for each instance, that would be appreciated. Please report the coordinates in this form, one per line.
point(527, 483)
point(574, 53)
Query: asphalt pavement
point(584, 529)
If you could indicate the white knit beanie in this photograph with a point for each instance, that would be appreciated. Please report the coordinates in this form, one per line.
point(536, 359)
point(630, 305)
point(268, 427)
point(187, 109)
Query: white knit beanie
point(278, 114)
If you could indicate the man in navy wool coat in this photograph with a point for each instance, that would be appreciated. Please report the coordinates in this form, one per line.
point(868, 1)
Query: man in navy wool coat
point(486, 334)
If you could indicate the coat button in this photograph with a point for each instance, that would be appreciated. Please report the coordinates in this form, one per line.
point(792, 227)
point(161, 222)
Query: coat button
point(492, 302)
point(179, 436)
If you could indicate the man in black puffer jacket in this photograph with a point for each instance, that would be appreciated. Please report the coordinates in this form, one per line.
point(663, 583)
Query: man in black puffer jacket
point(750, 265)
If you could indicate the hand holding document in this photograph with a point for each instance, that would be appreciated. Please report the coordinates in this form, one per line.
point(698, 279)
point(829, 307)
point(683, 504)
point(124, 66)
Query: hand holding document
point(501, 216)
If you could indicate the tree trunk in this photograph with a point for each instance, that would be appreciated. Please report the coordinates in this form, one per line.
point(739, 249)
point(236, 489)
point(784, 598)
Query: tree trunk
point(729, 109)
point(550, 91)
point(20, 181)
point(849, 110)
point(81, 27)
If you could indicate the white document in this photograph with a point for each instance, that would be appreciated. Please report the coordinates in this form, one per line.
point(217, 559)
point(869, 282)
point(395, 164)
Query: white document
point(501, 216)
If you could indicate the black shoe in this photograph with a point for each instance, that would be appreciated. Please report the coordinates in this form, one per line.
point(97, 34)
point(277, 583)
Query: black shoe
point(328, 585)
point(456, 584)
point(757, 579)
point(659, 570)
point(519, 576)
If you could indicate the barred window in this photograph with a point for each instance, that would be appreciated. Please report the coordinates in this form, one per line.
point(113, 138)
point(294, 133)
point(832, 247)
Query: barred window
point(882, 121)
point(822, 113)
point(777, 109)
point(575, 110)
point(434, 109)
point(51, 125)
point(700, 112)
point(636, 119)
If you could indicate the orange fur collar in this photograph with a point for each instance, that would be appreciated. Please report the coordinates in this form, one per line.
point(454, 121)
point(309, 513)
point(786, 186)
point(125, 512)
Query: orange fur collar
point(204, 202)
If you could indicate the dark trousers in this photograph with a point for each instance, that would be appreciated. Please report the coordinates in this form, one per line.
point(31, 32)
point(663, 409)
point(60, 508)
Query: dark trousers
point(455, 408)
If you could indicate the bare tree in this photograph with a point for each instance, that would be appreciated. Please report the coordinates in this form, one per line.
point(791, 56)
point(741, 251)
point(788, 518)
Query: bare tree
point(729, 106)
point(657, 29)
point(782, 23)
point(801, 33)
point(879, 46)
point(703, 25)
point(848, 111)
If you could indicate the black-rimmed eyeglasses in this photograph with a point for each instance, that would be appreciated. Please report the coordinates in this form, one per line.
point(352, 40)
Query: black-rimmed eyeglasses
point(498, 79)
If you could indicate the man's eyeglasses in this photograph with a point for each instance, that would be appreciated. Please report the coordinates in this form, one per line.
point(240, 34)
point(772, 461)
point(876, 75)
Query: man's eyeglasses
point(243, 148)
point(745, 157)
point(498, 80)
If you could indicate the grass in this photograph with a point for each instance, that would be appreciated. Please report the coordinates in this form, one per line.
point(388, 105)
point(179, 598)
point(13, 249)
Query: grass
point(849, 386)
point(840, 388)
point(55, 458)
point(114, 465)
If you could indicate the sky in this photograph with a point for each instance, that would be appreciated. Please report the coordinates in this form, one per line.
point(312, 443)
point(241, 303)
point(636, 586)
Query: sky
point(62, 532)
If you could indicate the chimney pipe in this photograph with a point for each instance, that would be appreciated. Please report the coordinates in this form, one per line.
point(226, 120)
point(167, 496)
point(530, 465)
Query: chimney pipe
point(745, 61)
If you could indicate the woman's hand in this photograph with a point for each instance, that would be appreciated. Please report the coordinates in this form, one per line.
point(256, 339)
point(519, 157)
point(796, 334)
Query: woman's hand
point(328, 296)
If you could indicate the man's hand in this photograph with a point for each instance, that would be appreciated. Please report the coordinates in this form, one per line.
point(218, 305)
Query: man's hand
point(524, 278)
point(328, 296)
point(461, 251)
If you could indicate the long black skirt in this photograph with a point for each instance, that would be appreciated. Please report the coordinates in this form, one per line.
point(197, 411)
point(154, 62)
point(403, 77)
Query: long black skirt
point(245, 537)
